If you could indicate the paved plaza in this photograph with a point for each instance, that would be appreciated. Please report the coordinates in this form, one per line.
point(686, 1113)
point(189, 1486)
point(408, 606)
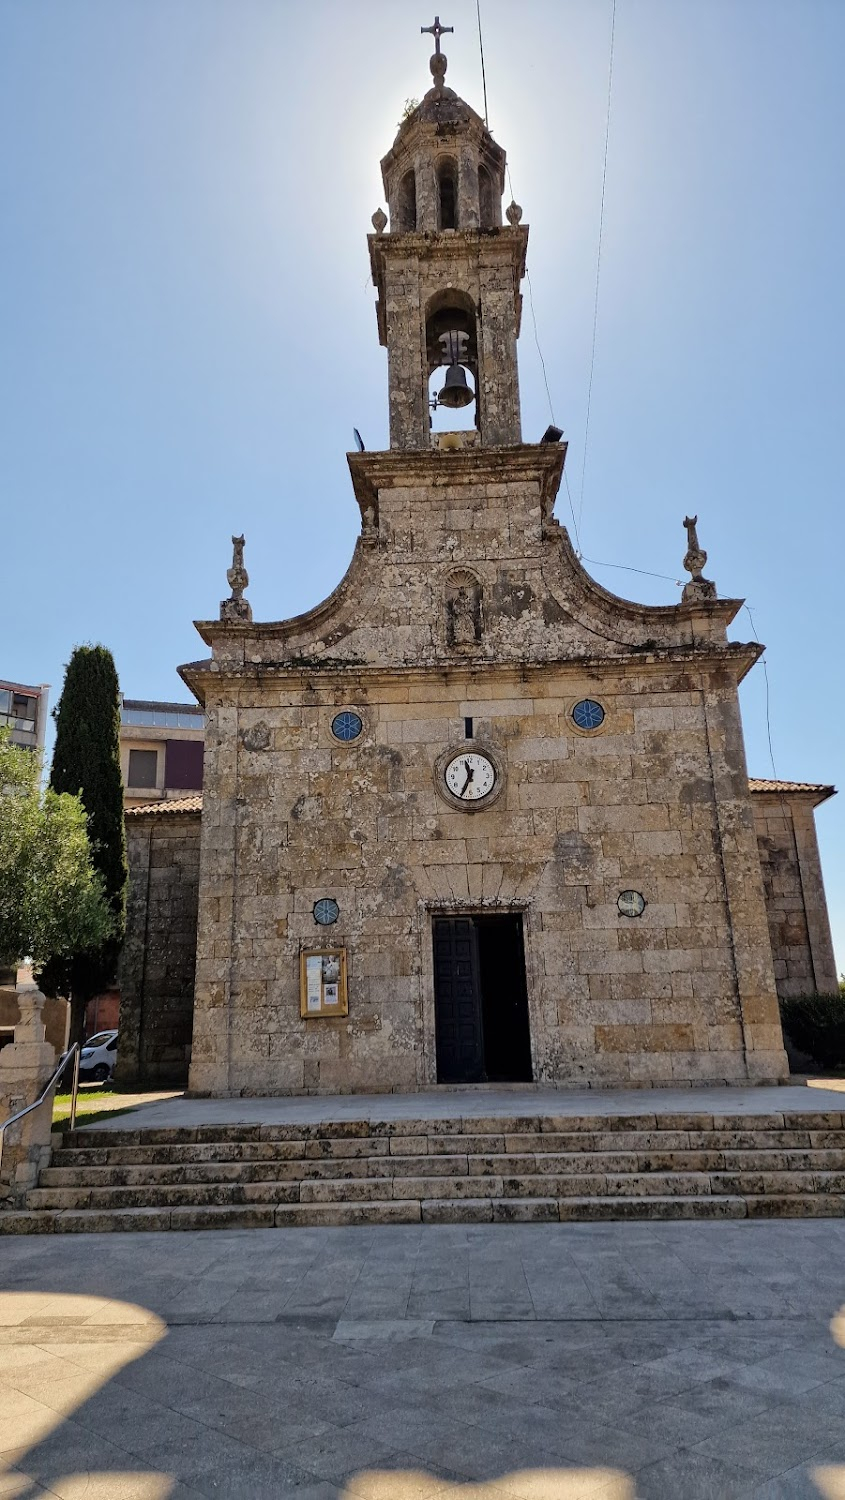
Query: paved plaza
point(536, 1362)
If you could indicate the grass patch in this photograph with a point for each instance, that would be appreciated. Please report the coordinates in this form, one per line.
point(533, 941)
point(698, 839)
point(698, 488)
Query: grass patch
point(61, 1121)
point(97, 1103)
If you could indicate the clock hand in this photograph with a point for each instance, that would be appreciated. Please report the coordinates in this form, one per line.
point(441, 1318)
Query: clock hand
point(470, 774)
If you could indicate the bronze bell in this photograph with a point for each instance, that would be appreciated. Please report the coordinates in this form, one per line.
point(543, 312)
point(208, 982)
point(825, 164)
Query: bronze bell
point(455, 390)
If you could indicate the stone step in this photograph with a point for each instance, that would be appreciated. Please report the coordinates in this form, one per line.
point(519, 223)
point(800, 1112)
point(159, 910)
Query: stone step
point(528, 1165)
point(503, 1169)
point(618, 1186)
point(495, 1125)
point(169, 1151)
point(430, 1211)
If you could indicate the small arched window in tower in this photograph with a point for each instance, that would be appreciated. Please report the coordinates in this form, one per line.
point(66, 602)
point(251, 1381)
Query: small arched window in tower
point(406, 204)
point(486, 200)
point(447, 193)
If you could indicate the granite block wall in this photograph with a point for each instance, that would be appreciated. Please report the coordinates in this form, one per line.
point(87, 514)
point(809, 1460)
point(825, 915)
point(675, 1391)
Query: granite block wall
point(159, 955)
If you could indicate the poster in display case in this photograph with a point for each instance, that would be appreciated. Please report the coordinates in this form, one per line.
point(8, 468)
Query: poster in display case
point(322, 982)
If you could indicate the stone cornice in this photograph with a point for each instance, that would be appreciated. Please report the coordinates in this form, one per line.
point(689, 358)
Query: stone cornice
point(736, 657)
point(415, 468)
point(508, 242)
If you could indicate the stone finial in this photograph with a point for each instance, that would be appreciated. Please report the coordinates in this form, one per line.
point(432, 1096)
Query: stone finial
point(437, 61)
point(694, 560)
point(379, 221)
point(513, 213)
point(236, 607)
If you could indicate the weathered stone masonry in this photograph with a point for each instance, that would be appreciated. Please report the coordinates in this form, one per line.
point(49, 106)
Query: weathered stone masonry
point(159, 954)
point(466, 624)
point(795, 908)
point(792, 879)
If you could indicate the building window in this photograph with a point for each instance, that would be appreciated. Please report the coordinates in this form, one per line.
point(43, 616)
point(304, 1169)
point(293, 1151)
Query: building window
point(406, 216)
point(588, 714)
point(143, 765)
point(346, 726)
point(162, 718)
point(447, 184)
point(18, 710)
point(486, 199)
point(183, 765)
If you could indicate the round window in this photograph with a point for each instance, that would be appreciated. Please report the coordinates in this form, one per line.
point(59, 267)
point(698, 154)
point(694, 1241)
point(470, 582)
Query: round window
point(326, 911)
point(588, 714)
point(347, 726)
point(630, 903)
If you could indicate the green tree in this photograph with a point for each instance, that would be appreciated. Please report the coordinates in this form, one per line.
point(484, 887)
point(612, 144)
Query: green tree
point(52, 900)
point(86, 762)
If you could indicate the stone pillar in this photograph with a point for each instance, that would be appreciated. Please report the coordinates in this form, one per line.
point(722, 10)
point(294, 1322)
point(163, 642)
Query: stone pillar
point(407, 374)
point(25, 1067)
point(216, 934)
point(498, 378)
point(427, 207)
point(756, 994)
point(815, 902)
point(468, 204)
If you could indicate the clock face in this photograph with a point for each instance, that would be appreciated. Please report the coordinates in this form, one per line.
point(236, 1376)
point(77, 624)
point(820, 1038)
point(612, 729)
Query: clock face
point(470, 776)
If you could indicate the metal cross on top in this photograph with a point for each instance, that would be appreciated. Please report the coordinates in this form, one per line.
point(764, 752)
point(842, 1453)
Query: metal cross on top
point(437, 31)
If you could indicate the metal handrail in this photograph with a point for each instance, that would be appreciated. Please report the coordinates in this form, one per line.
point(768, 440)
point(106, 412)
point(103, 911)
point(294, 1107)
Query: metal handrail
point(72, 1052)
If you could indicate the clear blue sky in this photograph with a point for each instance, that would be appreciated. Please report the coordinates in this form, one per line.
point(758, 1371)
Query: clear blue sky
point(188, 334)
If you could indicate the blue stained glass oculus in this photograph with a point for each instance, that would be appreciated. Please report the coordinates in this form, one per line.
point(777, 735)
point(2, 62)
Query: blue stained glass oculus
point(588, 714)
point(347, 726)
point(326, 911)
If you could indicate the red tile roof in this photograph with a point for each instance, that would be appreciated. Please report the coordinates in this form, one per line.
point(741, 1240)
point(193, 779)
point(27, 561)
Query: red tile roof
point(170, 806)
point(764, 784)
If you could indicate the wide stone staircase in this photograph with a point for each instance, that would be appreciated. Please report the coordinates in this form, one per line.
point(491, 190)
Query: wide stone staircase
point(504, 1169)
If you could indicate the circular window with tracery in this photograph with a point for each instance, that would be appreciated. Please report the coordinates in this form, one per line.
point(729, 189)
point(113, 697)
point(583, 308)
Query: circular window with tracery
point(326, 911)
point(587, 714)
point(347, 725)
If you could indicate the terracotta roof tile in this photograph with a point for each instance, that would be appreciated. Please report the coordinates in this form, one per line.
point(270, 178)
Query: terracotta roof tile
point(766, 784)
point(170, 806)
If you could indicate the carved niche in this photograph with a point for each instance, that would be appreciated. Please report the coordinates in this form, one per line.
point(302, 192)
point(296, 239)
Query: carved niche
point(464, 620)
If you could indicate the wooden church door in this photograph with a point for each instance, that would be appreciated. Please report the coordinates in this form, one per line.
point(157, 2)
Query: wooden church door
point(459, 1032)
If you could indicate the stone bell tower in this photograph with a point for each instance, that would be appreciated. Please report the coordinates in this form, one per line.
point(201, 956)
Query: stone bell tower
point(448, 271)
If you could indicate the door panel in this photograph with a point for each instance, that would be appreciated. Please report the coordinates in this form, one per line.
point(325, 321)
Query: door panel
point(457, 1002)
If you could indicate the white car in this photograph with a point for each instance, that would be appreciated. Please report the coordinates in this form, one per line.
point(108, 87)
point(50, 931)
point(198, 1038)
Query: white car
point(98, 1057)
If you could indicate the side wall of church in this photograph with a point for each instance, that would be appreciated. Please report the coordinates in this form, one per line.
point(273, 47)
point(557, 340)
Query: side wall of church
point(799, 927)
point(159, 954)
point(656, 801)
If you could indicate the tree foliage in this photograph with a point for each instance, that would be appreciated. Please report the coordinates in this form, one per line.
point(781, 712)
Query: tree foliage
point(52, 901)
point(86, 762)
point(816, 1025)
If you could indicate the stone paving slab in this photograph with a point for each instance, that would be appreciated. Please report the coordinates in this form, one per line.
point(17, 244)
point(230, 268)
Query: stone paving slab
point(479, 1102)
point(530, 1362)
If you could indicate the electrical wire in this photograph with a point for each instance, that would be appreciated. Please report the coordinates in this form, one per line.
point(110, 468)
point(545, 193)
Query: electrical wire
point(598, 264)
point(626, 568)
point(768, 694)
point(481, 51)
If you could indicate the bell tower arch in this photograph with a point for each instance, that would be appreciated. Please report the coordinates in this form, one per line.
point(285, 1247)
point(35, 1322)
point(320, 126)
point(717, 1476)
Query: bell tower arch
point(448, 271)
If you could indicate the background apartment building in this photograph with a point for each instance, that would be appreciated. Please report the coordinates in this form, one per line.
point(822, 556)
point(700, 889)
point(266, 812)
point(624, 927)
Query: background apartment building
point(161, 750)
point(23, 710)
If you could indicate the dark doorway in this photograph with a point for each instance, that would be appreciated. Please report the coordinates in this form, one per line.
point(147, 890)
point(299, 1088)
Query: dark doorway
point(480, 1000)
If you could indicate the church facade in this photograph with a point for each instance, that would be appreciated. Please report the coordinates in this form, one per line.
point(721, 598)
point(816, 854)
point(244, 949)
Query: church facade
point(473, 818)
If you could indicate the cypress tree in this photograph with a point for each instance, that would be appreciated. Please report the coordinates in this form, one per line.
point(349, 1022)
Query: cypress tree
point(86, 762)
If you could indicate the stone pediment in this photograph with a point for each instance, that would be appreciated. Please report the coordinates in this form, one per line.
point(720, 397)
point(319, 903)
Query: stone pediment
point(461, 561)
